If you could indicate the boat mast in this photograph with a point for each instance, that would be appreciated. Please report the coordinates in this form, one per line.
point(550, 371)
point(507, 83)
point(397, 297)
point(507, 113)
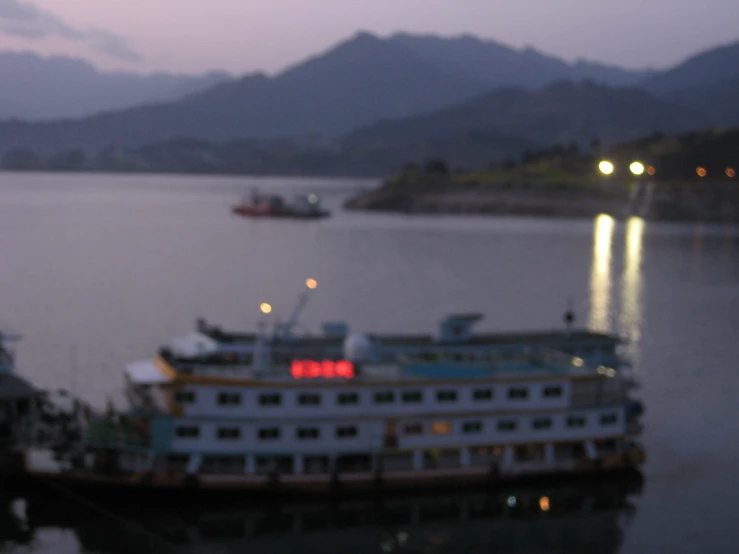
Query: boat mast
point(286, 328)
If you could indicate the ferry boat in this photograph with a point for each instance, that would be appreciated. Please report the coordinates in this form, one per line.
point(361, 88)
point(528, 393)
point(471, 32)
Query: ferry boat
point(233, 413)
point(302, 207)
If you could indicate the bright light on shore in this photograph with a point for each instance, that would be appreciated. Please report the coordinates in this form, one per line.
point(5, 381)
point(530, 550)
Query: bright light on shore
point(606, 167)
point(637, 168)
point(311, 283)
point(265, 308)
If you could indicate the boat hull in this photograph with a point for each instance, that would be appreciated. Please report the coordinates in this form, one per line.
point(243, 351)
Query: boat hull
point(173, 486)
point(249, 211)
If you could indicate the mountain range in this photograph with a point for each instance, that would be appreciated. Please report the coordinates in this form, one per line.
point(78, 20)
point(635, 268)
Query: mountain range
point(402, 96)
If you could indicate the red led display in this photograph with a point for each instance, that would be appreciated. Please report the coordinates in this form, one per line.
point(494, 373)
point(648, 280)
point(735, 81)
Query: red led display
point(327, 369)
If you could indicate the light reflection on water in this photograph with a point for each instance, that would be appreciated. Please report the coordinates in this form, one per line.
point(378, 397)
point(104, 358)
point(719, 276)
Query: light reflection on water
point(600, 274)
point(630, 320)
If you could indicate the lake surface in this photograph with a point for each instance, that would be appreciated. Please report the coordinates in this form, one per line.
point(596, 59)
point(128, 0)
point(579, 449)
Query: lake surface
point(99, 270)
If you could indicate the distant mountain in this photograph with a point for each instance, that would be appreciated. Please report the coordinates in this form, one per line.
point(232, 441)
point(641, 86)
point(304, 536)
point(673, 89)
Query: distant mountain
point(560, 113)
point(498, 65)
point(37, 88)
point(710, 67)
point(355, 83)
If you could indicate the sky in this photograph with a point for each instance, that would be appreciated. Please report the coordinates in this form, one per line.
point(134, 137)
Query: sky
point(243, 36)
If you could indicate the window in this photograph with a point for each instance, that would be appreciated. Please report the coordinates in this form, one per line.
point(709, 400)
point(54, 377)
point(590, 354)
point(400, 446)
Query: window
point(413, 429)
point(507, 425)
point(552, 392)
point(608, 419)
point(441, 428)
point(269, 433)
point(518, 393)
point(480, 395)
point(229, 433)
point(542, 423)
point(229, 399)
point(575, 421)
point(446, 396)
point(348, 398)
point(384, 397)
point(472, 427)
point(412, 396)
point(346, 432)
point(187, 432)
point(308, 432)
point(272, 399)
point(311, 399)
point(184, 397)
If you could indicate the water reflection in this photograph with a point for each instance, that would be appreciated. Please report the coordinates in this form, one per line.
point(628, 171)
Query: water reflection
point(600, 275)
point(630, 321)
point(563, 517)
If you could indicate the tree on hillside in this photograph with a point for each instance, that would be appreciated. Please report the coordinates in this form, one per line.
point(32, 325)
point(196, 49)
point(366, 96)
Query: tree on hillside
point(436, 166)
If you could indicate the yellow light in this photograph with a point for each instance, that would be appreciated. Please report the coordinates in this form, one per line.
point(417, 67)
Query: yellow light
point(265, 308)
point(701, 171)
point(544, 503)
point(605, 167)
point(311, 283)
point(441, 428)
point(651, 170)
point(730, 172)
point(637, 168)
point(577, 362)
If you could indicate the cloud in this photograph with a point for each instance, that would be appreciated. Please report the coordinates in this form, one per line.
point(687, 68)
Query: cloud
point(24, 20)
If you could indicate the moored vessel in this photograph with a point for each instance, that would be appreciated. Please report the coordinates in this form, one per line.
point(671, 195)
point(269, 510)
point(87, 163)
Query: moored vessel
point(269, 412)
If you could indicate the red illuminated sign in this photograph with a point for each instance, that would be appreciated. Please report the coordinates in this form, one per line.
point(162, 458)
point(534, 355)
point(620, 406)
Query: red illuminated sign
point(327, 369)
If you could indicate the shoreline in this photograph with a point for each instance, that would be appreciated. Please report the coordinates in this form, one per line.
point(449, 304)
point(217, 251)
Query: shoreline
point(710, 202)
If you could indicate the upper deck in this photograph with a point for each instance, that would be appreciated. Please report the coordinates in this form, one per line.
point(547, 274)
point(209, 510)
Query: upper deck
point(543, 365)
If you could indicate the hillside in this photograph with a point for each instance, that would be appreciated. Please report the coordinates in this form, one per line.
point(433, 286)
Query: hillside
point(560, 113)
point(565, 182)
point(36, 88)
point(480, 132)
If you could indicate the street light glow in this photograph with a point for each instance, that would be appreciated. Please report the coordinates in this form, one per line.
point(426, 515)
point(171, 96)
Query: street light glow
point(637, 168)
point(701, 171)
point(651, 170)
point(730, 172)
point(265, 308)
point(605, 167)
point(311, 283)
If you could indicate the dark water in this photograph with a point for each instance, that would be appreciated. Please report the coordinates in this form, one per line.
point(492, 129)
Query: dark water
point(99, 270)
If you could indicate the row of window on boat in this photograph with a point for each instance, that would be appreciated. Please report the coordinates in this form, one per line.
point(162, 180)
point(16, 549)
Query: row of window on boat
point(416, 428)
point(380, 397)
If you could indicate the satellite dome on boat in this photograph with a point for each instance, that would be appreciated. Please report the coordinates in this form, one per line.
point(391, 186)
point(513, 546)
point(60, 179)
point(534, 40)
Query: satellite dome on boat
point(358, 347)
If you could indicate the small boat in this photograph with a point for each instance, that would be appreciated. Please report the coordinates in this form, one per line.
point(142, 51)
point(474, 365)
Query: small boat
point(272, 413)
point(302, 207)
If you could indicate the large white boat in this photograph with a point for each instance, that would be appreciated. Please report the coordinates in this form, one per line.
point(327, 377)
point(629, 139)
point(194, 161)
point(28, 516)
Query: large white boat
point(438, 411)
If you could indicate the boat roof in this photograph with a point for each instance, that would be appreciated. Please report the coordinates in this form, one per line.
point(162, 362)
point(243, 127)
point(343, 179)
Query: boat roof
point(550, 364)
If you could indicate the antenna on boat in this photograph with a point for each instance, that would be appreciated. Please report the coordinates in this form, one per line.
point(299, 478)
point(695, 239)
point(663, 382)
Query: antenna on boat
point(286, 328)
point(259, 347)
point(569, 316)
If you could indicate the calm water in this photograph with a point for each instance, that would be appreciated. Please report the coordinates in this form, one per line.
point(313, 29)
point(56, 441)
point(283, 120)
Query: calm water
point(99, 270)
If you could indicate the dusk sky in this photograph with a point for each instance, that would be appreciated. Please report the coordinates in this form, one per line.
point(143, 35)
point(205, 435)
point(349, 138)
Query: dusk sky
point(241, 36)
